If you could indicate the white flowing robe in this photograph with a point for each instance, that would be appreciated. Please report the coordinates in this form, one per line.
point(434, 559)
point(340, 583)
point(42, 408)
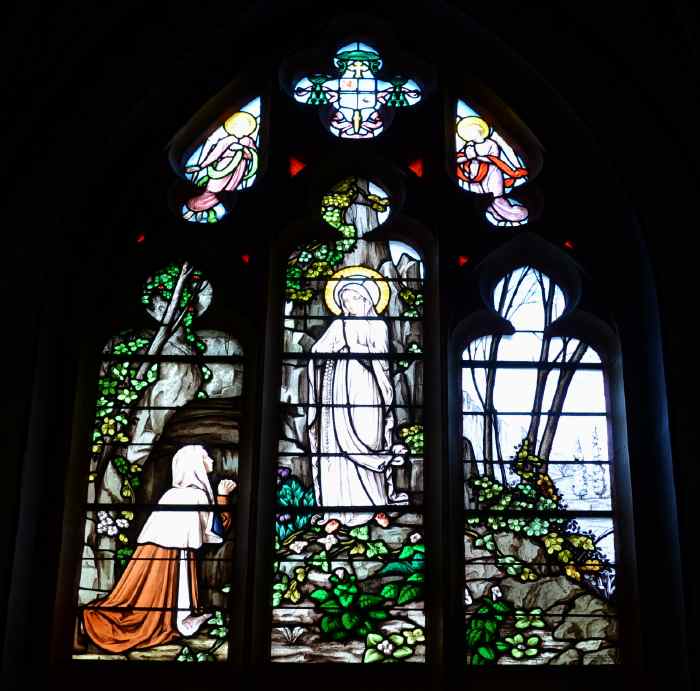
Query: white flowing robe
point(350, 419)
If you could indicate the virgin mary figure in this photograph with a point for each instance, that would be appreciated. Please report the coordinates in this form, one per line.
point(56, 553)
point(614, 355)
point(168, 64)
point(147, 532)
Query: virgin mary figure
point(350, 418)
point(156, 598)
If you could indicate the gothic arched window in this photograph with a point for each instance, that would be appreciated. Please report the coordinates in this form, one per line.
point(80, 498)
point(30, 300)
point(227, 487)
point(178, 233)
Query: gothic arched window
point(349, 550)
point(156, 562)
point(540, 554)
point(387, 508)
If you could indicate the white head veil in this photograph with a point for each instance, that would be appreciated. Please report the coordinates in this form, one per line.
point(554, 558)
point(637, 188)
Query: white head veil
point(189, 470)
point(359, 284)
point(190, 485)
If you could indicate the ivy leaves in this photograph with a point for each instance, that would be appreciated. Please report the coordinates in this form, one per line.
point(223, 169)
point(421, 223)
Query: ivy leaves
point(348, 612)
point(483, 629)
point(409, 564)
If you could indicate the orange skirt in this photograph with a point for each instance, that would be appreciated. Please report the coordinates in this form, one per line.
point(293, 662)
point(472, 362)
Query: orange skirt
point(144, 602)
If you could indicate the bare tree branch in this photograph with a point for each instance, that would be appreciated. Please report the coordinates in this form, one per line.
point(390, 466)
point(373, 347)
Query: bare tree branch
point(563, 383)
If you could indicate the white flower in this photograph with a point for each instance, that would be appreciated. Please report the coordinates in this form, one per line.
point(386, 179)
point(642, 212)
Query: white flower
point(101, 530)
point(298, 546)
point(122, 523)
point(112, 530)
point(415, 537)
point(328, 541)
point(102, 515)
point(386, 647)
point(496, 593)
point(467, 597)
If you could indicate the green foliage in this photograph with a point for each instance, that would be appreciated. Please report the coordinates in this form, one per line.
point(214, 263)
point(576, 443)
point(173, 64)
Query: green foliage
point(318, 260)
point(130, 346)
point(348, 607)
point(393, 648)
point(412, 437)
point(412, 348)
point(518, 646)
point(413, 302)
point(286, 588)
point(483, 630)
point(529, 619)
point(130, 476)
point(216, 628)
point(563, 544)
point(121, 385)
point(291, 493)
point(410, 565)
point(123, 556)
point(162, 286)
point(348, 612)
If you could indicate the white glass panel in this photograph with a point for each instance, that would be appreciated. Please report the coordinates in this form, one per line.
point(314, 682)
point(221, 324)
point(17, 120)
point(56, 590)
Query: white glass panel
point(576, 437)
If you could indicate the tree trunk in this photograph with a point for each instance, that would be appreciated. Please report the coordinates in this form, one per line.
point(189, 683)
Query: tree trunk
point(565, 377)
point(543, 372)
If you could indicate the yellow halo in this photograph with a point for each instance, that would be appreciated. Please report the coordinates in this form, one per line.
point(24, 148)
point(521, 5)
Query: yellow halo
point(375, 276)
point(241, 124)
point(466, 124)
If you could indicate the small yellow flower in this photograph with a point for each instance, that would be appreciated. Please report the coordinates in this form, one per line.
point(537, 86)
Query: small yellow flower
point(293, 593)
point(553, 543)
point(109, 426)
point(590, 565)
point(123, 538)
point(572, 572)
point(414, 636)
point(528, 575)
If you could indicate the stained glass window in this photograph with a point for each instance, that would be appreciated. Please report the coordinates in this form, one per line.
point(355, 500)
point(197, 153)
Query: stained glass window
point(226, 161)
point(158, 537)
point(349, 552)
point(356, 103)
point(488, 164)
point(538, 534)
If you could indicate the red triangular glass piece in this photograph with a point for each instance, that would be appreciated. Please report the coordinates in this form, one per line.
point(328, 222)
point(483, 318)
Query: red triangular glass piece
point(295, 166)
point(416, 167)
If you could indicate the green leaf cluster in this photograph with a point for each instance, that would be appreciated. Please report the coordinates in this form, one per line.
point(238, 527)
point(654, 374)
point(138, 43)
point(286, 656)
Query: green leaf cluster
point(483, 630)
point(413, 302)
point(348, 612)
point(410, 565)
point(123, 555)
point(162, 285)
point(564, 545)
point(291, 493)
point(321, 259)
point(218, 629)
point(130, 477)
point(130, 346)
point(412, 437)
point(393, 648)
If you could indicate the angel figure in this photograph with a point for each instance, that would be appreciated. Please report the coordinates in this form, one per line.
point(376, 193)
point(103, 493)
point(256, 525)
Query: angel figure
point(486, 164)
point(227, 161)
